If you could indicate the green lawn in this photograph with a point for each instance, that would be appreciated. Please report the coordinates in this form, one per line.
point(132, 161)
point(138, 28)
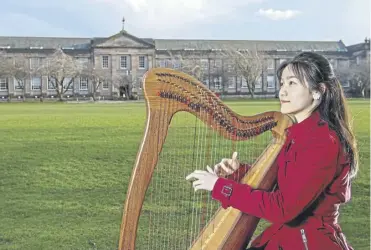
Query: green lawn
point(65, 170)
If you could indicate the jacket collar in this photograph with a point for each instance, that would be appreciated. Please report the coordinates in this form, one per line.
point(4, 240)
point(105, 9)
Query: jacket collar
point(304, 127)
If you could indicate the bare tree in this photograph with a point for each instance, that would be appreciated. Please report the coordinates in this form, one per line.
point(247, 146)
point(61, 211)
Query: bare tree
point(191, 63)
point(200, 64)
point(61, 70)
point(358, 77)
point(246, 64)
point(18, 67)
point(95, 76)
point(361, 78)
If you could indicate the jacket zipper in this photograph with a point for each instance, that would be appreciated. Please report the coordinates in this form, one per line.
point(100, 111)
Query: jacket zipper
point(304, 238)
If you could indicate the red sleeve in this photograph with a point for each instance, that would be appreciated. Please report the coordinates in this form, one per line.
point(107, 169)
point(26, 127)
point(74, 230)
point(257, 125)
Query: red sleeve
point(303, 181)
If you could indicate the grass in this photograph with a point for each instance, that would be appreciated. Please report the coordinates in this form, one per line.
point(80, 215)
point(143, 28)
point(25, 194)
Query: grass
point(65, 169)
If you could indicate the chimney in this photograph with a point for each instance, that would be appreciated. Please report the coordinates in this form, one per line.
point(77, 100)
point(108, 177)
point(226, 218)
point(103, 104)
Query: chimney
point(367, 43)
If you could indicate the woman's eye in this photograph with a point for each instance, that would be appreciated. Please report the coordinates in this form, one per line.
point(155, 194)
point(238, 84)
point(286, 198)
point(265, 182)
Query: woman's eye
point(291, 83)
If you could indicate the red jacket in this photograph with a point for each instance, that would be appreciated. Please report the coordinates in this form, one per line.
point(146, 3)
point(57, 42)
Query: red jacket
point(313, 180)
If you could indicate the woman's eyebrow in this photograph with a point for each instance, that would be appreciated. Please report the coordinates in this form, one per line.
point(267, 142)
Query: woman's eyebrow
point(289, 77)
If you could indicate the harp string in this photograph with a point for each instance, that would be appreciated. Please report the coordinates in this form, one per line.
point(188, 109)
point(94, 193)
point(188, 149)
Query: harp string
point(161, 234)
point(205, 161)
point(193, 195)
point(169, 187)
point(200, 196)
point(158, 184)
point(202, 160)
point(175, 190)
point(186, 192)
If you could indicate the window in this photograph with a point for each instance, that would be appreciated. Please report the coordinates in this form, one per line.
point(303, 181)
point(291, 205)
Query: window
point(206, 81)
point(105, 85)
point(83, 83)
point(270, 80)
point(231, 82)
point(333, 63)
point(258, 82)
point(67, 84)
point(218, 63)
point(142, 62)
point(345, 83)
point(3, 84)
point(18, 84)
point(358, 60)
point(36, 83)
point(105, 62)
point(218, 82)
point(243, 83)
point(51, 83)
point(176, 65)
point(123, 62)
point(162, 63)
point(270, 64)
point(204, 64)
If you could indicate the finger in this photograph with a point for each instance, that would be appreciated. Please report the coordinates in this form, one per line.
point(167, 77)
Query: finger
point(234, 156)
point(226, 169)
point(235, 164)
point(192, 175)
point(210, 170)
point(196, 174)
point(197, 183)
point(201, 172)
point(224, 160)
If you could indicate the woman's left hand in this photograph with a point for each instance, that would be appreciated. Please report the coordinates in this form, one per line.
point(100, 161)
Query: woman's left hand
point(204, 179)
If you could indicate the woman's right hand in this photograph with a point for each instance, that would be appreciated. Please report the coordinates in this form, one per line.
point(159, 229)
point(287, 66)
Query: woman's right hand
point(227, 166)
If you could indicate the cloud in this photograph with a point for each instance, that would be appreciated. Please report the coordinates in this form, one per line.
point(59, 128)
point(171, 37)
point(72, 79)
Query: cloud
point(173, 14)
point(277, 15)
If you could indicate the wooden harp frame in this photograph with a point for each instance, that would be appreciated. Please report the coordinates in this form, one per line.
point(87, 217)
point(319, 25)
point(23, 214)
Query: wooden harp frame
point(229, 228)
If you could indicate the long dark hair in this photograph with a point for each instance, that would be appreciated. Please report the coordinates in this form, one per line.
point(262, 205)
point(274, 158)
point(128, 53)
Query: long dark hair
point(317, 71)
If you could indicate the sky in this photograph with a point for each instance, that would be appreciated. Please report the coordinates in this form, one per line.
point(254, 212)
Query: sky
point(314, 20)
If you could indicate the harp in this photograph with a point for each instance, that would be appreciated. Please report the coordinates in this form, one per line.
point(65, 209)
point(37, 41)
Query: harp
point(176, 217)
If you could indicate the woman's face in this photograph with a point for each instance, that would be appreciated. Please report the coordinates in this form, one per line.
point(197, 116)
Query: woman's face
point(295, 97)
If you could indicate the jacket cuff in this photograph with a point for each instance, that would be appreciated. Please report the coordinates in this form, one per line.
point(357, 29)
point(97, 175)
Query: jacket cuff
point(222, 191)
point(232, 194)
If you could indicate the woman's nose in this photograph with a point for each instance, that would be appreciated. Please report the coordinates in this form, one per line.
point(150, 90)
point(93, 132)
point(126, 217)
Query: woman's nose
point(283, 92)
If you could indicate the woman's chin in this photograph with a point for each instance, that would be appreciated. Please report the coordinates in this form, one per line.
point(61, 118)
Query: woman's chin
point(285, 111)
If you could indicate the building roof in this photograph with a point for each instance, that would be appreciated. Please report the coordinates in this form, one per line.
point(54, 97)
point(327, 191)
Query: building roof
point(358, 47)
point(100, 40)
point(173, 44)
point(17, 42)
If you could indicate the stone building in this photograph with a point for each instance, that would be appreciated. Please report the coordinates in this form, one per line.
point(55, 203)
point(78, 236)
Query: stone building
point(126, 54)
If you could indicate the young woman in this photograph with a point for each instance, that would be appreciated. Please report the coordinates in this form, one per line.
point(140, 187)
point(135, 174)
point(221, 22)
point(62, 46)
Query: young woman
point(315, 166)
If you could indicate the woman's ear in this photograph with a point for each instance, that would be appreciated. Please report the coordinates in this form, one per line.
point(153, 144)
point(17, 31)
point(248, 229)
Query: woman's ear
point(316, 95)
